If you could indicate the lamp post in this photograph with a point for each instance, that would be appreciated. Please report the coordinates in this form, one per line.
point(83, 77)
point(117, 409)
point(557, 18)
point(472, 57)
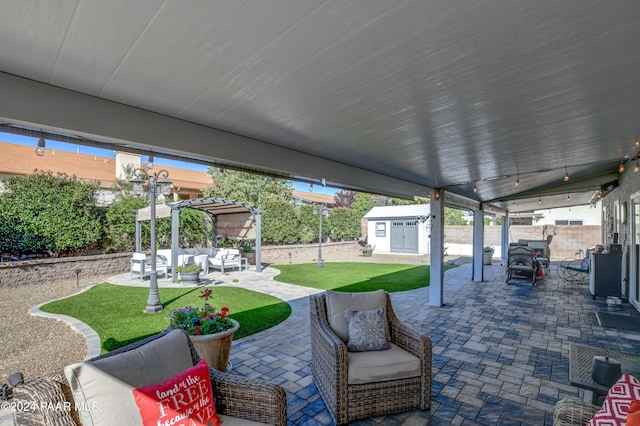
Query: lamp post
point(157, 182)
point(321, 212)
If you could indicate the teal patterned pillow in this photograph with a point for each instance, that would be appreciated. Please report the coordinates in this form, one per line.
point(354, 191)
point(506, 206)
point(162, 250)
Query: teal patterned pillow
point(366, 330)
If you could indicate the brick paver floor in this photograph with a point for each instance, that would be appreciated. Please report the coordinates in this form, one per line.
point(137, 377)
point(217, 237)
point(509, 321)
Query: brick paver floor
point(501, 352)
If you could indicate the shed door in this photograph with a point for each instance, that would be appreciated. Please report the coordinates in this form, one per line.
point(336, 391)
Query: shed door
point(404, 236)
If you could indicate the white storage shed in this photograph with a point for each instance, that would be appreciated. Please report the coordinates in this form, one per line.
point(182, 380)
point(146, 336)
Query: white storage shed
point(399, 229)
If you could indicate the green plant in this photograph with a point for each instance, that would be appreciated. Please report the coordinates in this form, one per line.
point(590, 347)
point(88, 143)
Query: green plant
point(189, 268)
point(196, 321)
point(488, 249)
point(367, 248)
point(247, 247)
point(50, 212)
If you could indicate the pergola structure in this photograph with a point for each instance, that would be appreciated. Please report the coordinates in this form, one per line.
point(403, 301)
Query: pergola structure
point(494, 107)
point(214, 207)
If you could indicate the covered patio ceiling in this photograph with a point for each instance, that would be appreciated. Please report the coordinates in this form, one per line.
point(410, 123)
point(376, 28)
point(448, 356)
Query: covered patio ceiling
point(398, 98)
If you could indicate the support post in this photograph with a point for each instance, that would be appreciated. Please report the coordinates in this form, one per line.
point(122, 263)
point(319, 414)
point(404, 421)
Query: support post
point(504, 240)
point(258, 218)
point(477, 273)
point(436, 287)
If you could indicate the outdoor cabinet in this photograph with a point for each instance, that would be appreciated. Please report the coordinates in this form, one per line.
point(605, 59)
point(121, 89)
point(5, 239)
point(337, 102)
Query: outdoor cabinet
point(604, 277)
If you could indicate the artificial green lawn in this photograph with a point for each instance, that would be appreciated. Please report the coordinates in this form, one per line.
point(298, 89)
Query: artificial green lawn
point(116, 313)
point(356, 276)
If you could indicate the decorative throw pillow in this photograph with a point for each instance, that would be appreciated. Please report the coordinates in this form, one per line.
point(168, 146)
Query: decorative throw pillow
point(185, 399)
point(633, 418)
point(616, 404)
point(366, 330)
point(338, 301)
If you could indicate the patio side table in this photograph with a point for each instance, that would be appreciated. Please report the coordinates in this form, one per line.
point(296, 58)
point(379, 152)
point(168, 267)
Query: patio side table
point(580, 362)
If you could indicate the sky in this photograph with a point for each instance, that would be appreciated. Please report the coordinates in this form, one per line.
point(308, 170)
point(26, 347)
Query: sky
point(61, 146)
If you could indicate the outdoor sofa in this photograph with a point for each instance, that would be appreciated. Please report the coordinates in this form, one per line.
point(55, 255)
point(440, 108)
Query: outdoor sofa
point(98, 398)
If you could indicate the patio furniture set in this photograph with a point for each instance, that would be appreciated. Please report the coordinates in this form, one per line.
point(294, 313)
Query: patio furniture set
point(365, 363)
point(216, 258)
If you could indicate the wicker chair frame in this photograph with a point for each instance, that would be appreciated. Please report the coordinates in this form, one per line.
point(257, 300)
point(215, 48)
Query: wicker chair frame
point(571, 412)
point(234, 395)
point(350, 402)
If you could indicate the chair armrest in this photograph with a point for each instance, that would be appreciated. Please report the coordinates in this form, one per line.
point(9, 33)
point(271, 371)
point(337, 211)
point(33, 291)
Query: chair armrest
point(570, 411)
point(249, 399)
point(38, 396)
point(328, 360)
point(416, 343)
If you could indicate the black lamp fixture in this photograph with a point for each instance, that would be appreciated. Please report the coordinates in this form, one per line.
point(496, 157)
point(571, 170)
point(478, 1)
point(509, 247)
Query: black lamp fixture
point(41, 147)
point(566, 174)
point(621, 167)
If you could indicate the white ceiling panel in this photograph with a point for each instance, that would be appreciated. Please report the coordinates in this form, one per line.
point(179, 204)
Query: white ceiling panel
point(439, 94)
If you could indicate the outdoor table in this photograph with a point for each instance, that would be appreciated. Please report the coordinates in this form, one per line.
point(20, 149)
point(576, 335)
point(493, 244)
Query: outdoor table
point(580, 362)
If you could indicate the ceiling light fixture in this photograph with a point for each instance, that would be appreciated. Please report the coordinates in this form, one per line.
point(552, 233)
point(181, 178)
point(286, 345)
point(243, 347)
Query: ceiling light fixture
point(41, 147)
point(150, 162)
point(437, 195)
point(638, 143)
point(310, 187)
point(518, 180)
point(636, 168)
point(539, 200)
point(568, 196)
point(621, 168)
point(566, 174)
point(475, 188)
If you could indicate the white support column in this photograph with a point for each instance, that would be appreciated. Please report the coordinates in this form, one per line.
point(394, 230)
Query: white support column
point(258, 218)
point(436, 287)
point(477, 274)
point(504, 240)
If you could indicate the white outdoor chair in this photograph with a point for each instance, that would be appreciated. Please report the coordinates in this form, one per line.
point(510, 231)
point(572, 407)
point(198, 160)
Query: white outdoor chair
point(141, 266)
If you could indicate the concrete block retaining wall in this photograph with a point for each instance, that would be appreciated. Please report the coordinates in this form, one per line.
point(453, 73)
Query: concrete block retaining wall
point(305, 253)
point(93, 269)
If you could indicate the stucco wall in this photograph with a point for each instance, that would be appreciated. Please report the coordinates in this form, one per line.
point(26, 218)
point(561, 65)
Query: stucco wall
point(629, 186)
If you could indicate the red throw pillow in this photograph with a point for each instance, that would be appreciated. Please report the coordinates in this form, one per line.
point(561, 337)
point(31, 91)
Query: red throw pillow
point(633, 418)
point(616, 404)
point(183, 400)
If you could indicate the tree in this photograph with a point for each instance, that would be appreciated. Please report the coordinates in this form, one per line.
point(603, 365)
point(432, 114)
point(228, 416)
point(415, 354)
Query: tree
point(47, 212)
point(362, 203)
point(280, 222)
point(453, 217)
point(250, 188)
point(345, 198)
point(344, 224)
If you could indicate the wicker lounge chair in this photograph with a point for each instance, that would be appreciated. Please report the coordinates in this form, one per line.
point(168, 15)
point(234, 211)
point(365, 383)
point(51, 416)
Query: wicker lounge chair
point(330, 367)
point(235, 396)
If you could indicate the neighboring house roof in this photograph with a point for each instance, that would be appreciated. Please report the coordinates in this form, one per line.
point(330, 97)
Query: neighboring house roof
point(310, 198)
point(390, 212)
point(20, 160)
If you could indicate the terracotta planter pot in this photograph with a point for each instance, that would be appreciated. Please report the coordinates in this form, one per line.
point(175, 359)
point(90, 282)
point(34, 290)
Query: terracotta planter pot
point(215, 348)
point(251, 257)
